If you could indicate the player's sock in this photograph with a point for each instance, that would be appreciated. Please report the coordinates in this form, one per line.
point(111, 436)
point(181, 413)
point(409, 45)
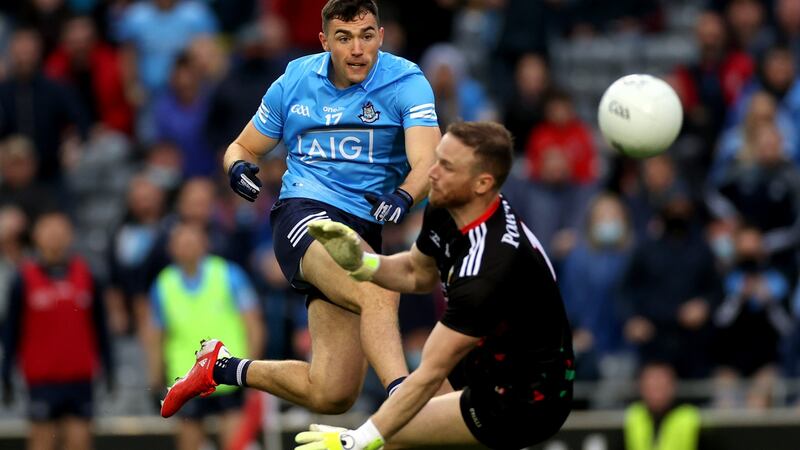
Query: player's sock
point(394, 385)
point(232, 371)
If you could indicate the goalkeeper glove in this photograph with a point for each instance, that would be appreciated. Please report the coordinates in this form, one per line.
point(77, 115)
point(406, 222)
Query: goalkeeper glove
point(344, 246)
point(244, 181)
point(390, 207)
point(324, 437)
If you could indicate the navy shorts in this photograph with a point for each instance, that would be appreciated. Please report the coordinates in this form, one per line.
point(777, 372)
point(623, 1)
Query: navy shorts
point(199, 408)
point(290, 237)
point(499, 423)
point(53, 401)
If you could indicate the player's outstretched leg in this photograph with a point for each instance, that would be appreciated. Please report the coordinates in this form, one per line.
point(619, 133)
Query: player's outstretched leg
point(379, 329)
point(329, 384)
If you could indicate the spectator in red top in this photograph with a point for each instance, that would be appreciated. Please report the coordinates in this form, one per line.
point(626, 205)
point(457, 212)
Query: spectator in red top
point(55, 331)
point(709, 86)
point(93, 69)
point(563, 132)
point(303, 19)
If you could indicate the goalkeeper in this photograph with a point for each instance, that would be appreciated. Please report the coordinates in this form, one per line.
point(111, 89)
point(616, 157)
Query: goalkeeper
point(504, 340)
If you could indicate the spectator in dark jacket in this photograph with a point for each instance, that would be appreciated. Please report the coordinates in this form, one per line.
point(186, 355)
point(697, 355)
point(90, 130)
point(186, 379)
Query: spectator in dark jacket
point(36, 106)
point(669, 291)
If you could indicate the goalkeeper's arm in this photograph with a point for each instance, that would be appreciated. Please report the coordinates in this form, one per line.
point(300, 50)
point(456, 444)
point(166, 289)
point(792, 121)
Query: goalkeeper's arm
point(409, 271)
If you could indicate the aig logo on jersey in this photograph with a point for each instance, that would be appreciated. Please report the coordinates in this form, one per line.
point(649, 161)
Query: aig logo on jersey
point(368, 113)
point(301, 110)
point(336, 144)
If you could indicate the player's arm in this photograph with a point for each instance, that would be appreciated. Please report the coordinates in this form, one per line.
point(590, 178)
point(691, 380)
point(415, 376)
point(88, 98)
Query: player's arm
point(409, 271)
point(421, 141)
point(249, 146)
point(259, 136)
point(444, 348)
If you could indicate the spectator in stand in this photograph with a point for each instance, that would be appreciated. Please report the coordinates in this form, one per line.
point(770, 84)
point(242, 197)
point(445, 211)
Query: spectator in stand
point(180, 115)
point(93, 69)
point(130, 245)
point(563, 132)
point(18, 186)
point(303, 21)
point(55, 301)
point(747, 22)
point(736, 144)
point(787, 26)
point(13, 239)
point(196, 204)
point(555, 192)
point(163, 165)
point(750, 323)
point(777, 76)
point(669, 291)
point(590, 281)
point(458, 95)
point(649, 193)
point(262, 54)
point(525, 109)
point(37, 107)
point(658, 421)
point(47, 17)
point(155, 32)
point(210, 58)
point(195, 295)
point(710, 86)
point(765, 192)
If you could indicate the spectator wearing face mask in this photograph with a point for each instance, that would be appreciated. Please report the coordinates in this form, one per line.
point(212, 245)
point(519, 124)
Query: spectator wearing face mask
point(749, 322)
point(589, 283)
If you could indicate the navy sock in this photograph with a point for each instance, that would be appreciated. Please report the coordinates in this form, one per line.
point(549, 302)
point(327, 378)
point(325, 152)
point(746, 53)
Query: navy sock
point(394, 385)
point(232, 371)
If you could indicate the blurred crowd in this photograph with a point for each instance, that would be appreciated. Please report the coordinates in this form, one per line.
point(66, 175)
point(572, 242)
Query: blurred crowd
point(115, 114)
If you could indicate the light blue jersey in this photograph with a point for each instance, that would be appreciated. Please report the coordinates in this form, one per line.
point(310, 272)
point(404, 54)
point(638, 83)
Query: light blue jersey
point(344, 143)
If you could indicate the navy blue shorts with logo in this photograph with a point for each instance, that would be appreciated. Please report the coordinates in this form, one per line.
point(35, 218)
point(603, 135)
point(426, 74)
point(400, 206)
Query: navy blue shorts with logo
point(290, 217)
point(53, 401)
point(499, 423)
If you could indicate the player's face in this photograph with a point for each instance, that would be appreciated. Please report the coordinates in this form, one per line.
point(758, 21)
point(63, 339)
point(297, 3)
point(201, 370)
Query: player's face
point(451, 176)
point(354, 48)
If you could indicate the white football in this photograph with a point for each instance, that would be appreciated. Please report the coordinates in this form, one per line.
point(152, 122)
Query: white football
point(640, 115)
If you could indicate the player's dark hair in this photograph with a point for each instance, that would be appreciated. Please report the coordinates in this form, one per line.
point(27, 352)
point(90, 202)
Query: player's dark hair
point(347, 11)
point(493, 145)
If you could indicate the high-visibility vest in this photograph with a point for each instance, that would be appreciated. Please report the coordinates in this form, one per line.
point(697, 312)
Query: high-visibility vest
point(679, 429)
point(208, 312)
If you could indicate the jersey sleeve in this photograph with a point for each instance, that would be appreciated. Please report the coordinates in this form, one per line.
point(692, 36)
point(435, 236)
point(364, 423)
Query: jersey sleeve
point(269, 117)
point(425, 240)
point(416, 102)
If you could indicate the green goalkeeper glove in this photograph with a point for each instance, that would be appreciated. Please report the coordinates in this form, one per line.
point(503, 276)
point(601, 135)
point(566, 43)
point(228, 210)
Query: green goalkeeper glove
point(324, 437)
point(344, 246)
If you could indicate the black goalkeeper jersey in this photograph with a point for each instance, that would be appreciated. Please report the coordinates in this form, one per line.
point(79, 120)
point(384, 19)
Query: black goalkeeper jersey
point(501, 287)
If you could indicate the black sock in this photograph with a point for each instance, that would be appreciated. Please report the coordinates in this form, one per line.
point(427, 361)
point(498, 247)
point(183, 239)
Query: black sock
point(232, 371)
point(394, 385)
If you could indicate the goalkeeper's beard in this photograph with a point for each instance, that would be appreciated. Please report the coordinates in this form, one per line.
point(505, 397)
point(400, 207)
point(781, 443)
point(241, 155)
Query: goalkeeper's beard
point(452, 200)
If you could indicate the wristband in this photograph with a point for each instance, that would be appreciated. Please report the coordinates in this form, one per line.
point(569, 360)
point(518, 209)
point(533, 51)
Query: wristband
point(369, 265)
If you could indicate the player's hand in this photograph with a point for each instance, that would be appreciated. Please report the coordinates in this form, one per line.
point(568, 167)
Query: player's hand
point(390, 207)
point(244, 180)
point(344, 246)
point(324, 437)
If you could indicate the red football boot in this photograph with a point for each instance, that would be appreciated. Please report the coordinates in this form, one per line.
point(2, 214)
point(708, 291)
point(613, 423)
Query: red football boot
point(197, 381)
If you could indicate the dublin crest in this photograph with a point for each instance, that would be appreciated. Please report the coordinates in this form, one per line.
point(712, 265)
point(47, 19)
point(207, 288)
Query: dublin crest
point(368, 113)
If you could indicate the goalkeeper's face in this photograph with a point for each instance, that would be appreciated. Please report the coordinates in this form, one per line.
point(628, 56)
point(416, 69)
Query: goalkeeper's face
point(354, 48)
point(452, 176)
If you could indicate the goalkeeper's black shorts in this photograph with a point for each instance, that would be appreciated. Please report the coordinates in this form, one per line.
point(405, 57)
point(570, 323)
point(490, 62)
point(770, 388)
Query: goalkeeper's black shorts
point(501, 423)
point(290, 238)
